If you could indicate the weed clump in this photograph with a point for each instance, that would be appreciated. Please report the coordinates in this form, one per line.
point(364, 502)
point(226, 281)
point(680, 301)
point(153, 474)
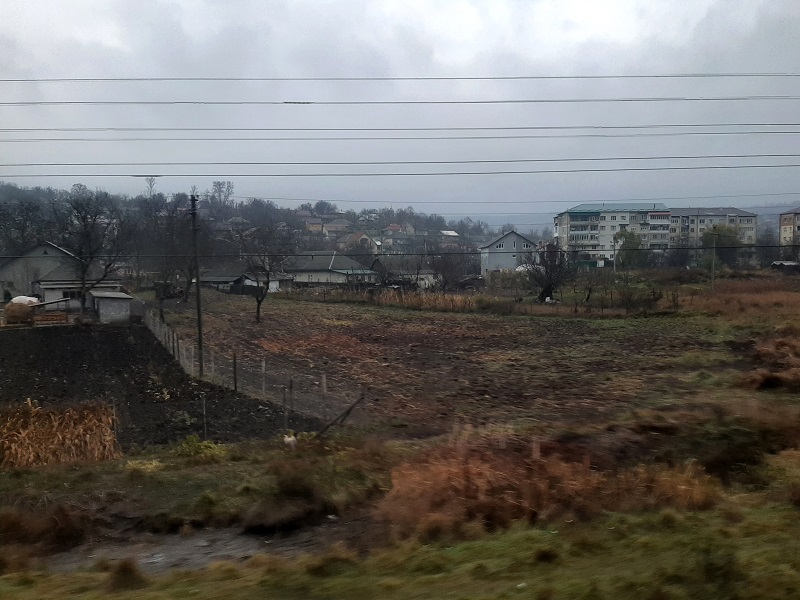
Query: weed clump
point(125, 576)
point(200, 451)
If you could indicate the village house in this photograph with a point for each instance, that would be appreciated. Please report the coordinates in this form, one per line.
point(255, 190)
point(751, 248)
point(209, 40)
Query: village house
point(329, 269)
point(51, 272)
point(336, 228)
point(504, 252)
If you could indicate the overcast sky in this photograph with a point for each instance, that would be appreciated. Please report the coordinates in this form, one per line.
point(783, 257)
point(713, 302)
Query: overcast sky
point(373, 38)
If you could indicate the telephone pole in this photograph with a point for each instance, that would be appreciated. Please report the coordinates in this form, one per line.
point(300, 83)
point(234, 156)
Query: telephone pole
point(193, 212)
point(713, 256)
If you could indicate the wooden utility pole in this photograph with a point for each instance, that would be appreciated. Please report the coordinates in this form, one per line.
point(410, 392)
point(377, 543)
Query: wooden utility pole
point(193, 211)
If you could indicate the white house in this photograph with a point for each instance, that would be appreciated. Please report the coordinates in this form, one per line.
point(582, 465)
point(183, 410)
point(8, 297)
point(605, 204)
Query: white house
point(505, 251)
point(328, 268)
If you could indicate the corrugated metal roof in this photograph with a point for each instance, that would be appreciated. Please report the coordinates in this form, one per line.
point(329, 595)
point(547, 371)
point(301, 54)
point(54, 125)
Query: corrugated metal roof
point(619, 207)
point(716, 211)
point(114, 295)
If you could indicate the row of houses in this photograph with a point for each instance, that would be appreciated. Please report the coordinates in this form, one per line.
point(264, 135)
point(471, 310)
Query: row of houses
point(592, 229)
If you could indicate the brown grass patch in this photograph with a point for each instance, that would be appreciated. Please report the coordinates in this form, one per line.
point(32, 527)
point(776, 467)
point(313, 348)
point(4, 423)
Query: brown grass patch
point(444, 494)
point(59, 528)
point(124, 576)
point(780, 365)
point(31, 436)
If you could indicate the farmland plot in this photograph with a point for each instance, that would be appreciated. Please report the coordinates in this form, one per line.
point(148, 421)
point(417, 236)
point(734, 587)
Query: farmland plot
point(425, 369)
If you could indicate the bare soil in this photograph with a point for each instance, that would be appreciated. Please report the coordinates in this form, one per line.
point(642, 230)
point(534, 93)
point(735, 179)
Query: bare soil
point(425, 369)
point(155, 401)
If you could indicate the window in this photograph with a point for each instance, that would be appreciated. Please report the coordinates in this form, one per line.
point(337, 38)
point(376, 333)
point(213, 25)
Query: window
point(702, 221)
point(613, 228)
point(525, 245)
point(72, 295)
point(602, 217)
point(691, 229)
point(602, 227)
point(613, 217)
point(634, 218)
point(500, 246)
point(622, 217)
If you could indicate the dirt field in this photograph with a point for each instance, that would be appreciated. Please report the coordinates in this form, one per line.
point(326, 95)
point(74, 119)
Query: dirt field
point(155, 401)
point(425, 369)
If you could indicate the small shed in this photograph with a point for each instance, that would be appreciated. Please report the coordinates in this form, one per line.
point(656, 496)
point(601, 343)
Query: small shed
point(112, 307)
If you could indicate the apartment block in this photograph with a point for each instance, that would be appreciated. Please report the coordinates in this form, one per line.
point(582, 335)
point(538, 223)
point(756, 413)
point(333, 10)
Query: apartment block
point(589, 229)
point(687, 225)
point(789, 228)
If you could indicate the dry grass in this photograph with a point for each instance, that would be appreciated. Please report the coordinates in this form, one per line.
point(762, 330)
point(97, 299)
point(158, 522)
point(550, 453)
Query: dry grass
point(780, 360)
point(125, 575)
point(31, 436)
point(58, 528)
point(455, 489)
point(747, 301)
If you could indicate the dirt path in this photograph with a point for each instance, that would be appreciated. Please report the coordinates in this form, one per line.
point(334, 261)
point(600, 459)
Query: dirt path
point(156, 553)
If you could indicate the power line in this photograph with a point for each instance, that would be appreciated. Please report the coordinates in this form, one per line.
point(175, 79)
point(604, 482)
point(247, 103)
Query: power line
point(398, 138)
point(594, 201)
point(411, 174)
point(429, 253)
point(401, 162)
point(471, 128)
point(710, 75)
point(394, 102)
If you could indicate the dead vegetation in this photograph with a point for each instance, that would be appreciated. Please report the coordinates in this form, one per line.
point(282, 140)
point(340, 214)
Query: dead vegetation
point(58, 528)
point(469, 487)
point(779, 365)
point(31, 436)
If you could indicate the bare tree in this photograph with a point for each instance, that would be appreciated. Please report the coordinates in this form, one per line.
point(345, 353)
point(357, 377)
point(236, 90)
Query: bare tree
point(266, 249)
point(150, 182)
point(449, 265)
point(547, 269)
point(220, 199)
point(92, 228)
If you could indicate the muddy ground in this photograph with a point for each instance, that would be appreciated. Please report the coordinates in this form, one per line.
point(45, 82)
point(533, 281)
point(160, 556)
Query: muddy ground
point(425, 369)
point(155, 401)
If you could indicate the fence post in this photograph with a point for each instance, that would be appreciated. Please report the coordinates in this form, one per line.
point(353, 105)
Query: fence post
point(235, 380)
point(178, 354)
point(285, 412)
point(191, 361)
point(264, 379)
point(324, 385)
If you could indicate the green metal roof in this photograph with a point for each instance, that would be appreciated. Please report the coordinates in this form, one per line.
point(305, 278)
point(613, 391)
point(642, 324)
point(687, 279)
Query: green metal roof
point(619, 207)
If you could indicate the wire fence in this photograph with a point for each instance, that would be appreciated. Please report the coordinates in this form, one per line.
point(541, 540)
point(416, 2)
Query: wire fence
point(310, 393)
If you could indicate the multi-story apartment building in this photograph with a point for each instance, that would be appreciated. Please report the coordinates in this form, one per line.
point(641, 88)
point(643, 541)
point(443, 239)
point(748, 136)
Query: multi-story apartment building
point(789, 228)
point(687, 225)
point(589, 229)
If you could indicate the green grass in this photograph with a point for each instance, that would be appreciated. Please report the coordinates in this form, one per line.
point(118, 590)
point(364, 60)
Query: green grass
point(213, 483)
point(750, 553)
